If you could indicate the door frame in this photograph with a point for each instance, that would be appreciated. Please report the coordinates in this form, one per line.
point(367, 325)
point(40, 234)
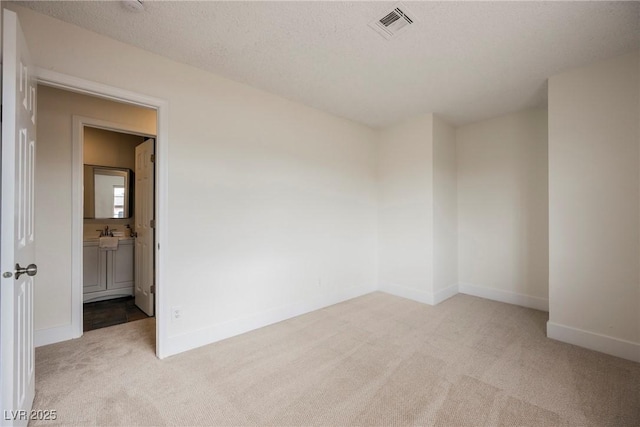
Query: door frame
point(77, 200)
point(86, 87)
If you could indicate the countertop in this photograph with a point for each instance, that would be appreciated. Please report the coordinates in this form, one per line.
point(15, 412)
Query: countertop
point(96, 239)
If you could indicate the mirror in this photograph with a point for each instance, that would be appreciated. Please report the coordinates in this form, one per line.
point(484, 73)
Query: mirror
point(106, 192)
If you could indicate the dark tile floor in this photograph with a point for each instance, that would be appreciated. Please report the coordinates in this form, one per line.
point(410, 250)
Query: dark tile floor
point(111, 312)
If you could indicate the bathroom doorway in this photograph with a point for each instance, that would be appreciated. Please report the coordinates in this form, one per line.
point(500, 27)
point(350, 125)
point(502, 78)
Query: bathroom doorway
point(118, 239)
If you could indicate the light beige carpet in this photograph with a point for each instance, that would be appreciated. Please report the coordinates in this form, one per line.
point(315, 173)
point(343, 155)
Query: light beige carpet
point(374, 360)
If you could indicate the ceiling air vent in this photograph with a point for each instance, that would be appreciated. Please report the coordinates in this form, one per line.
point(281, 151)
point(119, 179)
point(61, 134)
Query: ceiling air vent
point(393, 22)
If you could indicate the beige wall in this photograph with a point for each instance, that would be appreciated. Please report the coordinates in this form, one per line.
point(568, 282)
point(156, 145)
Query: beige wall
point(272, 205)
point(417, 209)
point(405, 227)
point(445, 210)
point(108, 148)
point(502, 208)
point(53, 192)
point(594, 201)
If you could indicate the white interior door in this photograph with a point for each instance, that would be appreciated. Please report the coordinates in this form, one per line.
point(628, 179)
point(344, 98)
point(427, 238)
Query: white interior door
point(17, 250)
point(144, 212)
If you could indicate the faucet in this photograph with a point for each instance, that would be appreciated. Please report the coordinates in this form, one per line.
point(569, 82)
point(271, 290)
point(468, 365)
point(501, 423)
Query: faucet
point(105, 231)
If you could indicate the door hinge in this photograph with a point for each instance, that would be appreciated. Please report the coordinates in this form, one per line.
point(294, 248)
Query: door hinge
point(153, 289)
point(152, 223)
point(153, 158)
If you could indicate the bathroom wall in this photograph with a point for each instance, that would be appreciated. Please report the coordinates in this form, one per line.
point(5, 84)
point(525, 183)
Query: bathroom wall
point(114, 149)
point(108, 148)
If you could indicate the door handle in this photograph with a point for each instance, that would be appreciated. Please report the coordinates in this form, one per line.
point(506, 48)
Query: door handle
point(30, 270)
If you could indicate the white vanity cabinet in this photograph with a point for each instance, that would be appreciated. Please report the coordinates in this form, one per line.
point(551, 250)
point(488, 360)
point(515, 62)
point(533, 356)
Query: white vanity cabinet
point(107, 273)
point(94, 268)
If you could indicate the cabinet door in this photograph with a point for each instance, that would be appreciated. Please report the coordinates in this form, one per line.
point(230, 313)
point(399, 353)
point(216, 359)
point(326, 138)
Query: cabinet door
point(122, 267)
point(94, 265)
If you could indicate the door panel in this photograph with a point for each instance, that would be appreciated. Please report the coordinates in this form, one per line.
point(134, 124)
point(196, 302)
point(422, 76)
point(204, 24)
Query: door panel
point(144, 208)
point(17, 249)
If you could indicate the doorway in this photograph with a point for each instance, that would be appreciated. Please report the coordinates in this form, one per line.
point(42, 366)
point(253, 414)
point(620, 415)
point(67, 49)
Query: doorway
point(97, 92)
point(118, 204)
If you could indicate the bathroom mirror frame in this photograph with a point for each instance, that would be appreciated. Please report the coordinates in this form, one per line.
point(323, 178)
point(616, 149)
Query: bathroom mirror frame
point(90, 173)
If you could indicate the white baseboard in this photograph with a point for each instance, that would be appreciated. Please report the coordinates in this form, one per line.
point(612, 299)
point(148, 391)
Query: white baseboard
point(53, 335)
point(408, 293)
point(418, 295)
point(504, 296)
point(444, 294)
point(180, 343)
point(603, 343)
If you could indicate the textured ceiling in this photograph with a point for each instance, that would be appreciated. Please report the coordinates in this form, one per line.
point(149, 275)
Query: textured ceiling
point(466, 61)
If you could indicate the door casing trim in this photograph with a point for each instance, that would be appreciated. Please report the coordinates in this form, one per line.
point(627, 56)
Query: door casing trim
point(86, 87)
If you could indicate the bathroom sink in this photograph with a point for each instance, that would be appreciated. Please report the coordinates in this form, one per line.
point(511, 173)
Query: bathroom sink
point(96, 237)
